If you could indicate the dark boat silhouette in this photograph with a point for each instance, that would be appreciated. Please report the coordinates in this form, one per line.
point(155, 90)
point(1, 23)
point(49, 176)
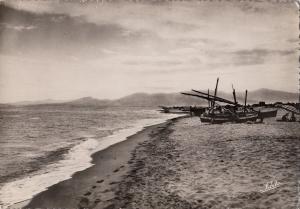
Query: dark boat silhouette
point(233, 112)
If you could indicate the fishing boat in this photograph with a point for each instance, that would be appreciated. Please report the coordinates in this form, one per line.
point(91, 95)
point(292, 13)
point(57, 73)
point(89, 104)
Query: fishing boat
point(197, 110)
point(267, 113)
point(174, 110)
point(290, 113)
point(233, 112)
point(228, 116)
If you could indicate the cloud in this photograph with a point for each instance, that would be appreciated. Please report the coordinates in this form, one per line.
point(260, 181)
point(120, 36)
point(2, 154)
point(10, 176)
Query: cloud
point(264, 52)
point(257, 56)
point(25, 32)
point(252, 8)
point(293, 40)
point(19, 28)
point(249, 57)
point(182, 43)
point(162, 63)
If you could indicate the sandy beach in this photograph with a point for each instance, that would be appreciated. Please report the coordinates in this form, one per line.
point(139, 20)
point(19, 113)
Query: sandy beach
point(95, 186)
point(185, 164)
point(216, 166)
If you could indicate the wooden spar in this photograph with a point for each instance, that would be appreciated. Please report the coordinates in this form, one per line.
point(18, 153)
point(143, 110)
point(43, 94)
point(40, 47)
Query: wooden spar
point(208, 98)
point(196, 95)
point(214, 100)
point(217, 98)
point(199, 96)
point(245, 100)
point(220, 99)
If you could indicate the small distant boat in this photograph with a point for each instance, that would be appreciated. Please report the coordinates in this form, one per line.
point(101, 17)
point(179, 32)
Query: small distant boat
point(174, 110)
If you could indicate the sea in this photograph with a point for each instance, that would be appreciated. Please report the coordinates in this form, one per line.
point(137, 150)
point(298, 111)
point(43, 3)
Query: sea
point(43, 145)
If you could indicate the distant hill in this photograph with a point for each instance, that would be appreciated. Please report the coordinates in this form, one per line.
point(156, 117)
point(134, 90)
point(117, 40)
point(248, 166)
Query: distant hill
point(269, 95)
point(170, 99)
point(5, 105)
point(47, 101)
point(88, 101)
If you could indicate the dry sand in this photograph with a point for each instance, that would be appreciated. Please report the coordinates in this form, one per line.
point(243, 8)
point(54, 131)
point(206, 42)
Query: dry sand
point(185, 164)
point(189, 165)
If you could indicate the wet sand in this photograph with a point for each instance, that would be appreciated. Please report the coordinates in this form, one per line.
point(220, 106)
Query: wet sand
point(95, 186)
point(185, 164)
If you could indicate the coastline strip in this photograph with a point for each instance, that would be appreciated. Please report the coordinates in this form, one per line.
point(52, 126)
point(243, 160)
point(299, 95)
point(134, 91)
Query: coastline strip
point(98, 183)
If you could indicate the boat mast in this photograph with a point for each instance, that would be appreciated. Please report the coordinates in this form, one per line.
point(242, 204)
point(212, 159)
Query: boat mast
point(234, 95)
point(214, 99)
point(298, 4)
point(208, 98)
point(245, 100)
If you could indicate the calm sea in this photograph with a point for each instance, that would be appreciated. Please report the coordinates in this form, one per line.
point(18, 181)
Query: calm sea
point(41, 146)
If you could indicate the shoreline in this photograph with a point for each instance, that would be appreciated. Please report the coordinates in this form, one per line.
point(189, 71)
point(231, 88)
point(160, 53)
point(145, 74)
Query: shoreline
point(184, 164)
point(85, 187)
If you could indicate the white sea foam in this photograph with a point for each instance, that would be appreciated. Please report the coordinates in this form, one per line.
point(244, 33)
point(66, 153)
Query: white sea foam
point(78, 159)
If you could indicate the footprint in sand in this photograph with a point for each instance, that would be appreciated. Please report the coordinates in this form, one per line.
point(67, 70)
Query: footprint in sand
point(84, 203)
point(115, 171)
point(87, 194)
point(97, 201)
point(93, 187)
point(113, 182)
point(105, 191)
point(100, 181)
point(112, 206)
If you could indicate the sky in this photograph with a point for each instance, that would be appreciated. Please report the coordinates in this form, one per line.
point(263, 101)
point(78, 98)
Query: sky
point(67, 49)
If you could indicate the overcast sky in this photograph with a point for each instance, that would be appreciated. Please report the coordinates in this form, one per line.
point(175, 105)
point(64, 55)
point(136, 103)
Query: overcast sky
point(109, 50)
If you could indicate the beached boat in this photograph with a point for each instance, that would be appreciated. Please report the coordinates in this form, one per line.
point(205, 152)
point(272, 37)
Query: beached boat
point(229, 114)
point(223, 115)
point(290, 113)
point(228, 118)
point(197, 111)
point(233, 112)
point(267, 113)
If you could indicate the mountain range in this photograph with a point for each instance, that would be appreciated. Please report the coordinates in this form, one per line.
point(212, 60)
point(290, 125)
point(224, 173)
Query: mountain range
point(169, 99)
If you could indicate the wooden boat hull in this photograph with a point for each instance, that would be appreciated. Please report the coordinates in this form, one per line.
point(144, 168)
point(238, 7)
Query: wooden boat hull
point(268, 113)
point(197, 111)
point(219, 119)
